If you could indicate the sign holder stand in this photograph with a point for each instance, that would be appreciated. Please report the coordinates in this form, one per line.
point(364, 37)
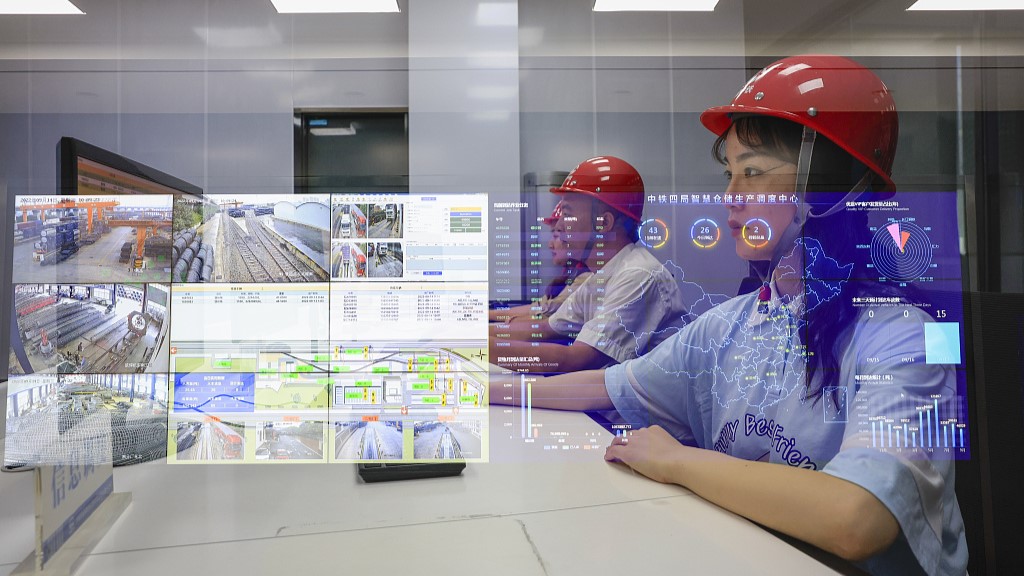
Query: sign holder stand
point(75, 502)
point(66, 561)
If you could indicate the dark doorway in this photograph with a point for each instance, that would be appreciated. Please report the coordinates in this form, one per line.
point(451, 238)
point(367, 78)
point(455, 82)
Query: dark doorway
point(351, 151)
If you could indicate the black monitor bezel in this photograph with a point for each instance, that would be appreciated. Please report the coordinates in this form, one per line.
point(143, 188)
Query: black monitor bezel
point(69, 150)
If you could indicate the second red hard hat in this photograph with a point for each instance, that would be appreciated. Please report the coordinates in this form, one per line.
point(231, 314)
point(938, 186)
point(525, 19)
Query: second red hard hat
point(611, 180)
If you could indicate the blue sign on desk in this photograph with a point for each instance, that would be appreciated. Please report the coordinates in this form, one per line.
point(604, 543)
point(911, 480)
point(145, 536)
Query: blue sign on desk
point(199, 392)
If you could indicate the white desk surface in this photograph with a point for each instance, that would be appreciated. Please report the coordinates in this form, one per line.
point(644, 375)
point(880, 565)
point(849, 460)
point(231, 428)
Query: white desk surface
point(525, 512)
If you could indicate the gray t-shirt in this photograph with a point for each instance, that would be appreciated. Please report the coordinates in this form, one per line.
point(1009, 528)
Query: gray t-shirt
point(625, 308)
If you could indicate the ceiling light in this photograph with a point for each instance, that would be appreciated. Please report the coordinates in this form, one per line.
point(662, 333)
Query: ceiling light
point(655, 5)
point(334, 6)
point(337, 131)
point(973, 5)
point(38, 7)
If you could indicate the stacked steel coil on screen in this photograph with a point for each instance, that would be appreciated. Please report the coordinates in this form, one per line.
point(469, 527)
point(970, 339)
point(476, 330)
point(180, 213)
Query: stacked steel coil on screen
point(27, 230)
point(137, 439)
point(193, 260)
point(59, 243)
point(159, 247)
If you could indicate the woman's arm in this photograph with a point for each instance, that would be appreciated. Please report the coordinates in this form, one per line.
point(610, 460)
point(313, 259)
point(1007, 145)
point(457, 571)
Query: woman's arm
point(574, 391)
point(828, 512)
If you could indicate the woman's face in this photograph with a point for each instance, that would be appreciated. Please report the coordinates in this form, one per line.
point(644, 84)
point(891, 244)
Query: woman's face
point(756, 226)
point(559, 247)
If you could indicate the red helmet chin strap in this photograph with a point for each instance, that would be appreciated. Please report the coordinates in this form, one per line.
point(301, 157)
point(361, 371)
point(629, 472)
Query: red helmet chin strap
point(793, 231)
point(804, 210)
point(854, 192)
point(803, 162)
point(803, 172)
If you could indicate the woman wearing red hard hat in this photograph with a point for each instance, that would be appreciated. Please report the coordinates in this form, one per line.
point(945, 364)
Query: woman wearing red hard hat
point(630, 303)
point(749, 405)
point(572, 273)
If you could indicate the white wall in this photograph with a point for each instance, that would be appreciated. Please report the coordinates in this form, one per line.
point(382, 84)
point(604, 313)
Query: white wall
point(201, 89)
point(464, 96)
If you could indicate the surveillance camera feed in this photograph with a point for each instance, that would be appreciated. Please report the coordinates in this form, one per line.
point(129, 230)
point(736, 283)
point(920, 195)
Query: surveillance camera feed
point(248, 328)
point(251, 238)
point(62, 239)
point(90, 318)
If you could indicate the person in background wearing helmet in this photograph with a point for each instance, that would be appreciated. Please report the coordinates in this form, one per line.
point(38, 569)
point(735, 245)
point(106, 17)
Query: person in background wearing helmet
point(747, 404)
point(572, 274)
point(629, 304)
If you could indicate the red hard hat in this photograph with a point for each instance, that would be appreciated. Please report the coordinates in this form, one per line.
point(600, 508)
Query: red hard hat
point(611, 180)
point(837, 97)
point(556, 215)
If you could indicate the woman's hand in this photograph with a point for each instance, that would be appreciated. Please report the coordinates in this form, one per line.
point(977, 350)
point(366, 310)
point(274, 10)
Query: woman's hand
point(652, 452)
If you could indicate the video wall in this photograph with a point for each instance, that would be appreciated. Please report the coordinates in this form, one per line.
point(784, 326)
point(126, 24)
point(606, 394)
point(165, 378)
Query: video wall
point(261, 328)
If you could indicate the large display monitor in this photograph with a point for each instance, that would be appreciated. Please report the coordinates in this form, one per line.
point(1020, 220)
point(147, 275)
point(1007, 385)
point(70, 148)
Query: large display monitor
point(234, 328)
point(331, 328)
point(90, 302)
point(84, 170)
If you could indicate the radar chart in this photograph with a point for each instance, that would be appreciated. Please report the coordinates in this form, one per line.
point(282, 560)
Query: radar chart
point(901, 251)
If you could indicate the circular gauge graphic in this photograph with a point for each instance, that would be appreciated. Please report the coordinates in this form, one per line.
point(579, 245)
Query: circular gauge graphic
point(901, 251)
point(137, 323)
point(705, 233)
point(653, 233)
point(757, 233)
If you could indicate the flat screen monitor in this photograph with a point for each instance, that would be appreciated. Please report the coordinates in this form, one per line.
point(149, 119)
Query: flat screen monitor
point(89, 304)
point(246, 327)
point(85, 170)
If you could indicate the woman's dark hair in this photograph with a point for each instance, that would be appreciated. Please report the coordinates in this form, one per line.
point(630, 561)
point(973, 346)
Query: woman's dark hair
point(827, 325)
point(832, 169)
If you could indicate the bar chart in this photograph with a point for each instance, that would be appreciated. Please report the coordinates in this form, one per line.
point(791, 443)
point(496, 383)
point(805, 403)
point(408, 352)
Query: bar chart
point(929, 424)
point(527, 429)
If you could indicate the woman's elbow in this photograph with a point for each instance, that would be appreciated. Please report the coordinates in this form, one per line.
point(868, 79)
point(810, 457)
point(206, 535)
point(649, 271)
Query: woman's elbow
point(866, 528)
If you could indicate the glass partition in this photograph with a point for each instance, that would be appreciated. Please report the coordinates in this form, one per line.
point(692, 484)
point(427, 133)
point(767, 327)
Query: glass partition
point(772, 229)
